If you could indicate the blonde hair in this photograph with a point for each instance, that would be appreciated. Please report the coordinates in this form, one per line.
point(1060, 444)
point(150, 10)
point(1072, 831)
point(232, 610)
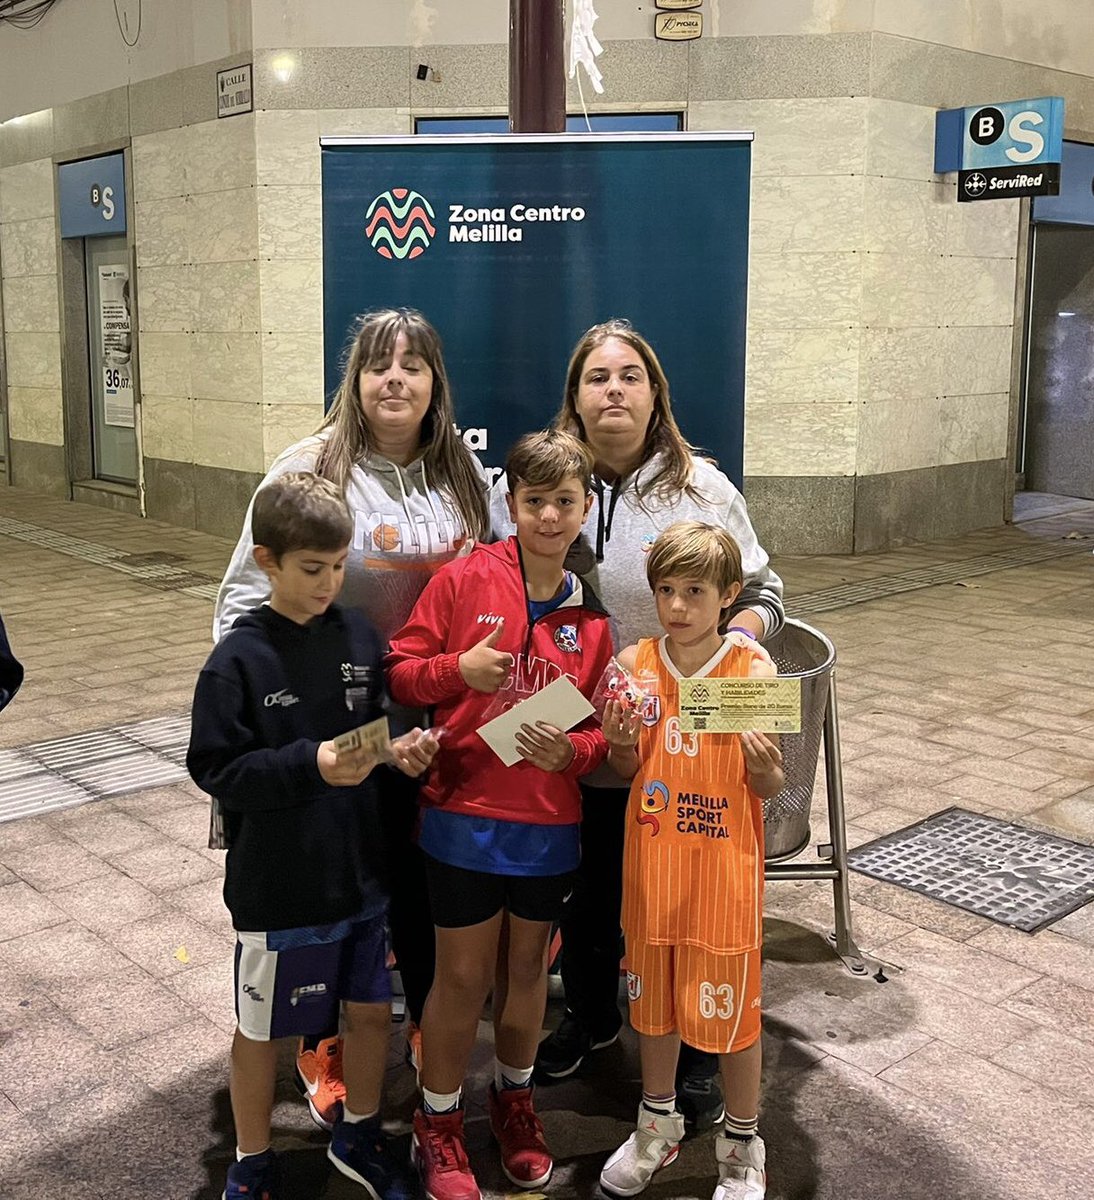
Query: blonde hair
point(663, 435)
point(696, 550)
point(300, 511)
point(546, 458)
point(448, 462)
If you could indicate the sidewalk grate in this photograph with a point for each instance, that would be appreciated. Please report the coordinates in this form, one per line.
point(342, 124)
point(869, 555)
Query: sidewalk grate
point(1010, 874)
point(157, 568)
point(48, 776)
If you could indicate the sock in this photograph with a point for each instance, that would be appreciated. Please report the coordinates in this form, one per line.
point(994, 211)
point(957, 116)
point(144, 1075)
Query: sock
point(437, 1103)
point(240, 1156)
point(663, 1106)
point(352, 1118)
point(740, 1129)
point(510, 1078)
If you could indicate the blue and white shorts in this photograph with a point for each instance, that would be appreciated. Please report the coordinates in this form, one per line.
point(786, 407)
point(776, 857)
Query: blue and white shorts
point(288, 984)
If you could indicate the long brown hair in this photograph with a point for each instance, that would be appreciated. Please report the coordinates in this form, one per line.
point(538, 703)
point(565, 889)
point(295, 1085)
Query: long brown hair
point(448, 462)
point(663, 435)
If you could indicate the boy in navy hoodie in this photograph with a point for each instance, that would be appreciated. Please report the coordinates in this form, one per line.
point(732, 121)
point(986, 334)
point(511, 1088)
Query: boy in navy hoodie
point(287, 679)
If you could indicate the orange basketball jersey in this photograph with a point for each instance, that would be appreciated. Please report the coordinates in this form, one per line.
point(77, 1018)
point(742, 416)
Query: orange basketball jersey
point(693, 865)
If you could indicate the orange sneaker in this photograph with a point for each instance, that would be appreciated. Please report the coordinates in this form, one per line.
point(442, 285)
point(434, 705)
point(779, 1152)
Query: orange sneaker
point(438, 1151)
point(319, 1077)
point(414, 1048)
point(519, 1134)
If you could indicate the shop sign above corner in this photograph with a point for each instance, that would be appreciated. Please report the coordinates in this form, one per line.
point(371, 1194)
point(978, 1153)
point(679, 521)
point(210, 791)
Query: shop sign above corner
point(1003, 150)
point(678, 25)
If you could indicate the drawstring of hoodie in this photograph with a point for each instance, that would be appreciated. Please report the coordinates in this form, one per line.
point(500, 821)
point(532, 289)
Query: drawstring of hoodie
point(406, 505)
point(604, 529)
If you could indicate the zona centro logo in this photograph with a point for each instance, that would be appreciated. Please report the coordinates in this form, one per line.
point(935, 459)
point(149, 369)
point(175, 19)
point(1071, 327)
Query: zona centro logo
point(400, 223)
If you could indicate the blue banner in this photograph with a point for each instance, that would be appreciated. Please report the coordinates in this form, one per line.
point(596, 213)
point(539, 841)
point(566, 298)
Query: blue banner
point(92, 196)
point(513, 246)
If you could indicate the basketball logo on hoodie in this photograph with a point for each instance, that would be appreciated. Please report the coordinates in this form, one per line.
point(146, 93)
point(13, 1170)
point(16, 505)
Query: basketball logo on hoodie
point(566, 638)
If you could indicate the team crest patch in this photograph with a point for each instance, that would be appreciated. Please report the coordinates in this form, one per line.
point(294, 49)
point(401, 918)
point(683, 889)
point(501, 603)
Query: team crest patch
point(566, 638)
point(634, 986)
point(651, 710)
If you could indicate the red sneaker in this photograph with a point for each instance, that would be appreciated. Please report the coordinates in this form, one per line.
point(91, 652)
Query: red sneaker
point(319, 1075)
point(519, 1134)
point(438, 1150)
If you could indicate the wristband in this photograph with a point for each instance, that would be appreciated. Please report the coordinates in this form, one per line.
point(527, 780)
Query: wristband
point(741, 629)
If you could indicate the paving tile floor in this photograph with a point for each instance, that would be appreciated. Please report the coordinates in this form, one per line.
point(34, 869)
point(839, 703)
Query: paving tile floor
point(968, 1074)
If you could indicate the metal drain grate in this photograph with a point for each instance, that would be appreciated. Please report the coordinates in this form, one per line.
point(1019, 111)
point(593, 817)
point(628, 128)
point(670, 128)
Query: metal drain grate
point(57, 774)
point(157, 568)
point(847, 594)
point(1010, 874)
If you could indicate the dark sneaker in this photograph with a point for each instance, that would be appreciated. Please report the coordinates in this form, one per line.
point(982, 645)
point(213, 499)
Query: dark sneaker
point(562, 1052)
point(699, 1098)
point(257, 1177)
point(361, 1153)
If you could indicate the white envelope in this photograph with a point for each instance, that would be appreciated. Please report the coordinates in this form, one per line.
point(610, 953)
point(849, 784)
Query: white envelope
point(559, 704)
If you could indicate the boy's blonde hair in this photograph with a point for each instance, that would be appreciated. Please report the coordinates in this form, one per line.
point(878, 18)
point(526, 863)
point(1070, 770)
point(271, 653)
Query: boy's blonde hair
point(696, 550)
point(546, 458)
point(300, 511)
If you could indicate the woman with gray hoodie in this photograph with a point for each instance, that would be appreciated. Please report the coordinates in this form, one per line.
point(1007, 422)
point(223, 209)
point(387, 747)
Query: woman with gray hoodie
point(647, 477)
point(417, 496)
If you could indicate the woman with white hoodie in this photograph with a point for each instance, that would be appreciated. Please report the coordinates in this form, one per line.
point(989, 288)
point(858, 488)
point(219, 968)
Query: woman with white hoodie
point(647, 477)
point(417, 496)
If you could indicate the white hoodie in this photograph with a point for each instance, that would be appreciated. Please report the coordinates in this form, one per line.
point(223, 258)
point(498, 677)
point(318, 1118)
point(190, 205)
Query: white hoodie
point(404, 528)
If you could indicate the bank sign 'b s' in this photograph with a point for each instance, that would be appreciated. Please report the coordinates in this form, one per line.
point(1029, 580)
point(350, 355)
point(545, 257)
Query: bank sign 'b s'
point(1003, 150)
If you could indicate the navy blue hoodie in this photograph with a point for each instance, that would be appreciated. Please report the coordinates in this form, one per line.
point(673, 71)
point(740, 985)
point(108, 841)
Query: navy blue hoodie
point(270, 692)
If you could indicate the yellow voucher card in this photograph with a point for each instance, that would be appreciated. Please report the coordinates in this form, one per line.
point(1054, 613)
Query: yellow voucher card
point(373, 737)
point(766, 705)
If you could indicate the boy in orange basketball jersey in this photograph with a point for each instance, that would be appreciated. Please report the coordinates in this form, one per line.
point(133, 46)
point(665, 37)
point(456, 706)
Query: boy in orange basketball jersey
point(693, 866)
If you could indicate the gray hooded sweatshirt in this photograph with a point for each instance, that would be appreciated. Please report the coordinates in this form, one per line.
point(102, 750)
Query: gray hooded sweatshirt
point(621, 528)
point(404, 528)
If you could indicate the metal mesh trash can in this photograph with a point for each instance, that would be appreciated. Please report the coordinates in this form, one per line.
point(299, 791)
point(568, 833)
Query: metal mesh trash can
point(799, 652)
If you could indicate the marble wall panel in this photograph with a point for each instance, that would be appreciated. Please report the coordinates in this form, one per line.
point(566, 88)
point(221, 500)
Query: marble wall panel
point(334, 77)
point(977, 291)
point(973, 428)
point(793, 137)
point(224, 226)
point(900, 140)
point(905, 216)
point(165, 364)
point(985, 230)
point(222, 154)
point(292, 369)
point(167, 426)
point(365, 122)
point(834, 65)
point(26, 191)
point(974, 360)
point(156, 104)
point(34, 359)
point(28, 139)
point(636, 71)
point(470, 77)
point(900, 290)
point(801, 439)
point(161, 165)
point(92, 121)
point(162, 231)
point(290, 222)
point(283, 424)
point(795, 366)
point(898, 435)
point(228, 434)
point(30, 304)
point(226, 297)
point(30, 247)
point(168, 299)
point(899, 364)
point(36, 415)
point(819, 213)
point(287, 147)
point(292, 296)
point(225, 366)
point(789, 290)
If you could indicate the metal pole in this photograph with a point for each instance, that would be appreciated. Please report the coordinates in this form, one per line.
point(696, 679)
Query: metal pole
point(537, 81)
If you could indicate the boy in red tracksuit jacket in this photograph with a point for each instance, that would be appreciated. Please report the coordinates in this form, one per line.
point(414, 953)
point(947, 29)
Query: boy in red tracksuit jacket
point(501, 843)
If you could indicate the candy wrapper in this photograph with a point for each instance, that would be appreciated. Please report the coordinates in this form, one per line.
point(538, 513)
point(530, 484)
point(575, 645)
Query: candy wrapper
point(617, 683)
point(508, 695)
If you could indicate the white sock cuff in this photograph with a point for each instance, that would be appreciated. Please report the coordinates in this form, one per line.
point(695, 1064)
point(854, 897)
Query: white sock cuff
point(506, 1076)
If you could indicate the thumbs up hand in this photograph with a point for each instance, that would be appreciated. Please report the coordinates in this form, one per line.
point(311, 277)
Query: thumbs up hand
point(484, 667)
